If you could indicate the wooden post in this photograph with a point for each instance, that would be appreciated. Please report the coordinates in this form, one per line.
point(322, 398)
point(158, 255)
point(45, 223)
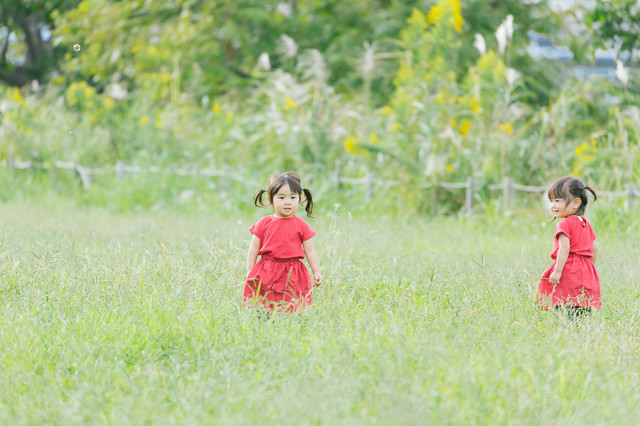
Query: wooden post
point(84, 175)
point(119, 169)
point(632, 197)
point(507, 193)
point(338, 174)
point(11, 163)
point(468, 198)
point(369, 183)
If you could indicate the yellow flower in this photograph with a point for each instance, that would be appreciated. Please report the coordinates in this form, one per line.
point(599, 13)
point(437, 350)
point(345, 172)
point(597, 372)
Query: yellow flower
point(159, 124)
point(216, 108)
point(465, 125)
point(453, 123)
point(458, 21)
point(449, 168)
point(108, 102)
point(386, 110)
point(144, 119)
point(507, 128)
point(373, 138)
point(475, 105)
point(17, 96)
point(289, 102)
point(350, 144)
point(230, 116)
point(435, 14)
point(580, 149)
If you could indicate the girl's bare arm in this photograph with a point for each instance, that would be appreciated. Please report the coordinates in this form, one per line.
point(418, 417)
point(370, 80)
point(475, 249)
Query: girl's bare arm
point(312, 258)
point(594, 249)
point(563, 254)
point(254, 249)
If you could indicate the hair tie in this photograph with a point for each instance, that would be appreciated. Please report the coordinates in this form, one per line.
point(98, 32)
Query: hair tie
point(583, 188)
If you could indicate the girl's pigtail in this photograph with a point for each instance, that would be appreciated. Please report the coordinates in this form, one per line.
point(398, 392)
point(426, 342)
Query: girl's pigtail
point(258, 199)
point(591, 190)
point(308, 201)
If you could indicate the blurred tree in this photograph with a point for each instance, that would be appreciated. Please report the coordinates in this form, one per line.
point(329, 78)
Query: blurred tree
point(615, 24)
point(27, 51)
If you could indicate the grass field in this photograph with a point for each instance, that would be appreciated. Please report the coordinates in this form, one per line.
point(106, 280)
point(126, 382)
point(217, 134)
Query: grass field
point(137, 318)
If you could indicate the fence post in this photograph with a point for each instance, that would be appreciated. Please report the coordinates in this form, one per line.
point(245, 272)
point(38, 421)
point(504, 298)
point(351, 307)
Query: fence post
point(468, 196)
point(507, 187)
point(11, 163)
point(632, 197)
point(85, 177)
point(369, 183)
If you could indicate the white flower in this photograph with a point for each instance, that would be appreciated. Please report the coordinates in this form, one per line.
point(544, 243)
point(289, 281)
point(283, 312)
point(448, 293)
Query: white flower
point(288, 47)
point(512, 76)
point(504, 33)
point(284, 8)
point(480, 44)
point(263, 62)
point(622, 73)
point(115, 91)
point(509, 25)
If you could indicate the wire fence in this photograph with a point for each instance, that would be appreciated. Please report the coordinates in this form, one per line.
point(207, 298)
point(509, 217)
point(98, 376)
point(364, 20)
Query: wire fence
point(119, 169)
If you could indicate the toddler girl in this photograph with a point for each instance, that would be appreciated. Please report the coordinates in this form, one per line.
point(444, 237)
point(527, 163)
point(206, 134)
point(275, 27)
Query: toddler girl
point(279, 280)
point(572, 280)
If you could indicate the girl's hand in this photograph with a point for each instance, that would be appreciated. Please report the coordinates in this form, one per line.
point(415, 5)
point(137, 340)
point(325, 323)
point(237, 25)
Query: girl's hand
point(317, 278)
point(554, 278)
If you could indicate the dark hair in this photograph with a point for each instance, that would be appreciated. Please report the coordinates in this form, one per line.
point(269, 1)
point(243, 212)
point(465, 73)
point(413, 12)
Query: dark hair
point(293, 181)
point(567, 188)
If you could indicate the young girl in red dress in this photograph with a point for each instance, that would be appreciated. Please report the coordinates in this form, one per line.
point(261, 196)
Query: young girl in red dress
point(279, 280)
point(572, 281)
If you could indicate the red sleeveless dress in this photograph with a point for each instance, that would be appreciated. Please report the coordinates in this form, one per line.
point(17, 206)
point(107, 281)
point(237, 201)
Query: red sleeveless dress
point(280, 280)
point(579, 283)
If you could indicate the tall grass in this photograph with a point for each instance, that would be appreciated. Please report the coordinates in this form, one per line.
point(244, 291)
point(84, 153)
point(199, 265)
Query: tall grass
point(137, 318)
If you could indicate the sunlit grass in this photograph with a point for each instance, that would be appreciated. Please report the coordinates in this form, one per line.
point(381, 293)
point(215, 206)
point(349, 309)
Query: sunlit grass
point(138, 318)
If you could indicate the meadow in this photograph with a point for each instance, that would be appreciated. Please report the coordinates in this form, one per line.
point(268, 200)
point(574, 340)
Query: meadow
point(136, 317)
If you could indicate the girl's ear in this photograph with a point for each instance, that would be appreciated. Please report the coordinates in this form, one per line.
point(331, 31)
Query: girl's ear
point(577, 202)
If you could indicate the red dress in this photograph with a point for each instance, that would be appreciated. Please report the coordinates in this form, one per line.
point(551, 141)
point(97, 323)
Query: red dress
point(579, 283)
point(280, 279)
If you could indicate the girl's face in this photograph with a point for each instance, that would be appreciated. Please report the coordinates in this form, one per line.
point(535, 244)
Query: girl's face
point(562, 208)
point(286, 202)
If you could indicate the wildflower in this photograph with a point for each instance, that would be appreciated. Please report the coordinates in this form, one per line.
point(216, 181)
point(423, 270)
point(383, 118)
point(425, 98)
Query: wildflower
point(465, 125)
point(263, 62)
point(350, 144)
point(373, 138)
point(504, 33)
point(386, 110)
point(622, 73)
point(159, 124)
point(507, 128)
point(449, 168)
point(17, 96)
point(290, 103)
point(480, 44)
point(216, 108)
point(512, 76)
point(453, 123)
point(435, 14)
point(230, 116)
point(581, 148)
point(288, 47)
point(458, 21)
point(144, 119)
point(475, 105)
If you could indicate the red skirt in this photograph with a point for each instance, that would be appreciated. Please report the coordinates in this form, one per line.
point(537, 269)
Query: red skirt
point(279, 284)
point(579, 284)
